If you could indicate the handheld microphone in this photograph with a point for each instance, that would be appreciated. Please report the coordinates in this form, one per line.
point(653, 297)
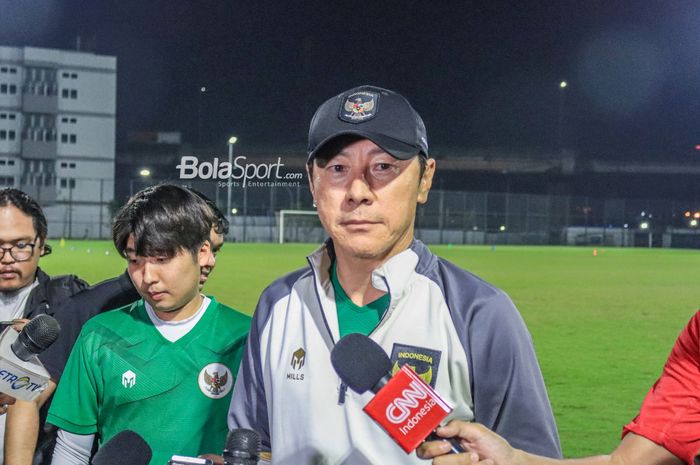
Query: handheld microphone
point(242, 447)
point(21, 373)
point(36, 336)
point(406, 407)
point(125, 448)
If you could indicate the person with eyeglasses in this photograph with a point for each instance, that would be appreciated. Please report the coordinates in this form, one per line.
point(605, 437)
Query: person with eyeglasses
point(25, 290)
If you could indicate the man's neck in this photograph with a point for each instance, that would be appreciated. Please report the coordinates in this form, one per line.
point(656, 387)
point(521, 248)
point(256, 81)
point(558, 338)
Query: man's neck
point(355, 276)
point(182, 313)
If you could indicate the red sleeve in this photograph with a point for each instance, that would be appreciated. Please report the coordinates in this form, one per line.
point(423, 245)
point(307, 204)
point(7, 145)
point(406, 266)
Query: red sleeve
point(670, 414)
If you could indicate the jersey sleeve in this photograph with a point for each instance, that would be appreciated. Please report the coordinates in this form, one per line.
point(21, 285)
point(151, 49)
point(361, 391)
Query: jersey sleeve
point(670, 413)
point(508, 389)
point(74, 406)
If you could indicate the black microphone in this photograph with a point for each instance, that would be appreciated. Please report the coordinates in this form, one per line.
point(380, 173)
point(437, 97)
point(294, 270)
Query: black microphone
point(36, 337)
point(125, 448)
point(242, 447)
point(363, 365)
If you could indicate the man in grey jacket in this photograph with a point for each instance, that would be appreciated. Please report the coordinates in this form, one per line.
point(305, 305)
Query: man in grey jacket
point(369, 168)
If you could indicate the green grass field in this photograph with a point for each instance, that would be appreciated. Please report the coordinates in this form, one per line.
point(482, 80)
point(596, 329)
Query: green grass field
point(603, 326)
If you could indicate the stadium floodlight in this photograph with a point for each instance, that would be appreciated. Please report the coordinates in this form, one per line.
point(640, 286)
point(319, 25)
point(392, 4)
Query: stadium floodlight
point(285, 215)
point(696, 215)
point(694, 223)
point(644, 225)
point(502, 228)
point(144, 173)
point(563, 84)
point(234, 211)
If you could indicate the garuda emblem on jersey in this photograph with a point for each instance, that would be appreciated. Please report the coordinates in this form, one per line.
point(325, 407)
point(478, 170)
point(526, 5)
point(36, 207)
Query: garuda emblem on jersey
point(215, 380)
point(359, 107)
point(425, 362)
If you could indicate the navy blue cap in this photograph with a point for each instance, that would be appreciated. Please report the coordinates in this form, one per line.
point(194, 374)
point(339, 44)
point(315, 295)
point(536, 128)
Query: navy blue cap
point(380, 115)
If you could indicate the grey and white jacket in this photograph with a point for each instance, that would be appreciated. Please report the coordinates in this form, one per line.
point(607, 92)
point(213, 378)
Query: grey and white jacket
point(461, 334)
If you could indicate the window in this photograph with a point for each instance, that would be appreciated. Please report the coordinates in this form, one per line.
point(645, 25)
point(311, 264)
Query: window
point(73, 138)
point(10, 163)
point(74, 93)
point(3, 134)
point(3, 115)
point(74, 75)
point(64, 164)
point(12, 116)
point(11, 134)
point(3, 88)
point(64, 183)
point(3, 162)
point(7, 181)
point(3, 69)
point(73, 120)
point(64, 120)
point(13, 70)
point(66, 75)
point(13, 88)
point(64, 138)
point(71, 165)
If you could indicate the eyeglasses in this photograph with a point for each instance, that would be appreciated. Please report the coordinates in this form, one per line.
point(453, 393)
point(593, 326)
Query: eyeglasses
point(20, 252)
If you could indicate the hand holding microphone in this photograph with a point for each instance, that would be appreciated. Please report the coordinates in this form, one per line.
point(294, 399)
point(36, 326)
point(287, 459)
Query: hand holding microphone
point(405, 406)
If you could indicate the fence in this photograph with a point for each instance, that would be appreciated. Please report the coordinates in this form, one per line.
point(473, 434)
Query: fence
point(457, 217)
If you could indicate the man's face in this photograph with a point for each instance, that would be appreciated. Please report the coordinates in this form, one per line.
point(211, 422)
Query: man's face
point(17, 229)
point(366, 199)
point(168, 284)
point(217, 241)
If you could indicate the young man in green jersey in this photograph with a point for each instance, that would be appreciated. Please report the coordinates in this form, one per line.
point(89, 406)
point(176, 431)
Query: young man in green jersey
point(163, 366)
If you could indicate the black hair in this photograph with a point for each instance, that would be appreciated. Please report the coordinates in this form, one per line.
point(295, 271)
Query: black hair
point(163, 219)
point(222, 225)
point(27, 205)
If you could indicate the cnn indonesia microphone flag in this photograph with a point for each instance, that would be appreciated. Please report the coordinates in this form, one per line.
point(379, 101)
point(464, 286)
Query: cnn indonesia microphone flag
point(408, 409)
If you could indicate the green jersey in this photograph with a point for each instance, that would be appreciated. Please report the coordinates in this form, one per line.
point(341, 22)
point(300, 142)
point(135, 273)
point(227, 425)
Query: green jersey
point(123, 374)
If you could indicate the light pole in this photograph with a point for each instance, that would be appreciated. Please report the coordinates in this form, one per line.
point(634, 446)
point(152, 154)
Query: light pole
point(200, 96)
point(231, 141)
point(560, 119)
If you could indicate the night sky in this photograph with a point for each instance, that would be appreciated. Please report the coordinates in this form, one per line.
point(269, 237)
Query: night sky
point(482, 74)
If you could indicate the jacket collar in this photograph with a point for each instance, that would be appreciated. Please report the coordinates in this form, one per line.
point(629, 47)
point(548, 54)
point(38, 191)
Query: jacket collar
point(393, 276)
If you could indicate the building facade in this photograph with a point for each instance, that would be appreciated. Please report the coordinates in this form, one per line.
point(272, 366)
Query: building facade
point(57, 134)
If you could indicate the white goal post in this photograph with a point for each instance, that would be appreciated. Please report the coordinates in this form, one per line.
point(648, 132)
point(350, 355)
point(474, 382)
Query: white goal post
point(284, 213)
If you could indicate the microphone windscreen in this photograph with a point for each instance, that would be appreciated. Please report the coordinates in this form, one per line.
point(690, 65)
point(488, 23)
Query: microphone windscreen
point(36, 336)
point(242, 443)
point(125, 448)
point(360, 362)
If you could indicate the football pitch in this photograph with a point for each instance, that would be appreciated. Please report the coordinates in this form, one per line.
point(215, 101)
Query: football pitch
point(602, 325)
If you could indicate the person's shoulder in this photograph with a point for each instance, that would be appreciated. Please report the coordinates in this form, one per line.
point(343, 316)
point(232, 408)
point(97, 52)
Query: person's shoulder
point(455, 279)
point(230, 314)
point(113, 318)
point(60, 287)
point(282, 286)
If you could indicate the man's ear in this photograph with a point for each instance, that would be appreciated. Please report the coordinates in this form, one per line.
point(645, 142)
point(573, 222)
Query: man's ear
point(309, 173)
point(44, 248)
point(426, 181)
point(205, 254)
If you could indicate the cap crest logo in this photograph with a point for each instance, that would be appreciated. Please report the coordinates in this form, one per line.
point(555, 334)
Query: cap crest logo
point(359, 107)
